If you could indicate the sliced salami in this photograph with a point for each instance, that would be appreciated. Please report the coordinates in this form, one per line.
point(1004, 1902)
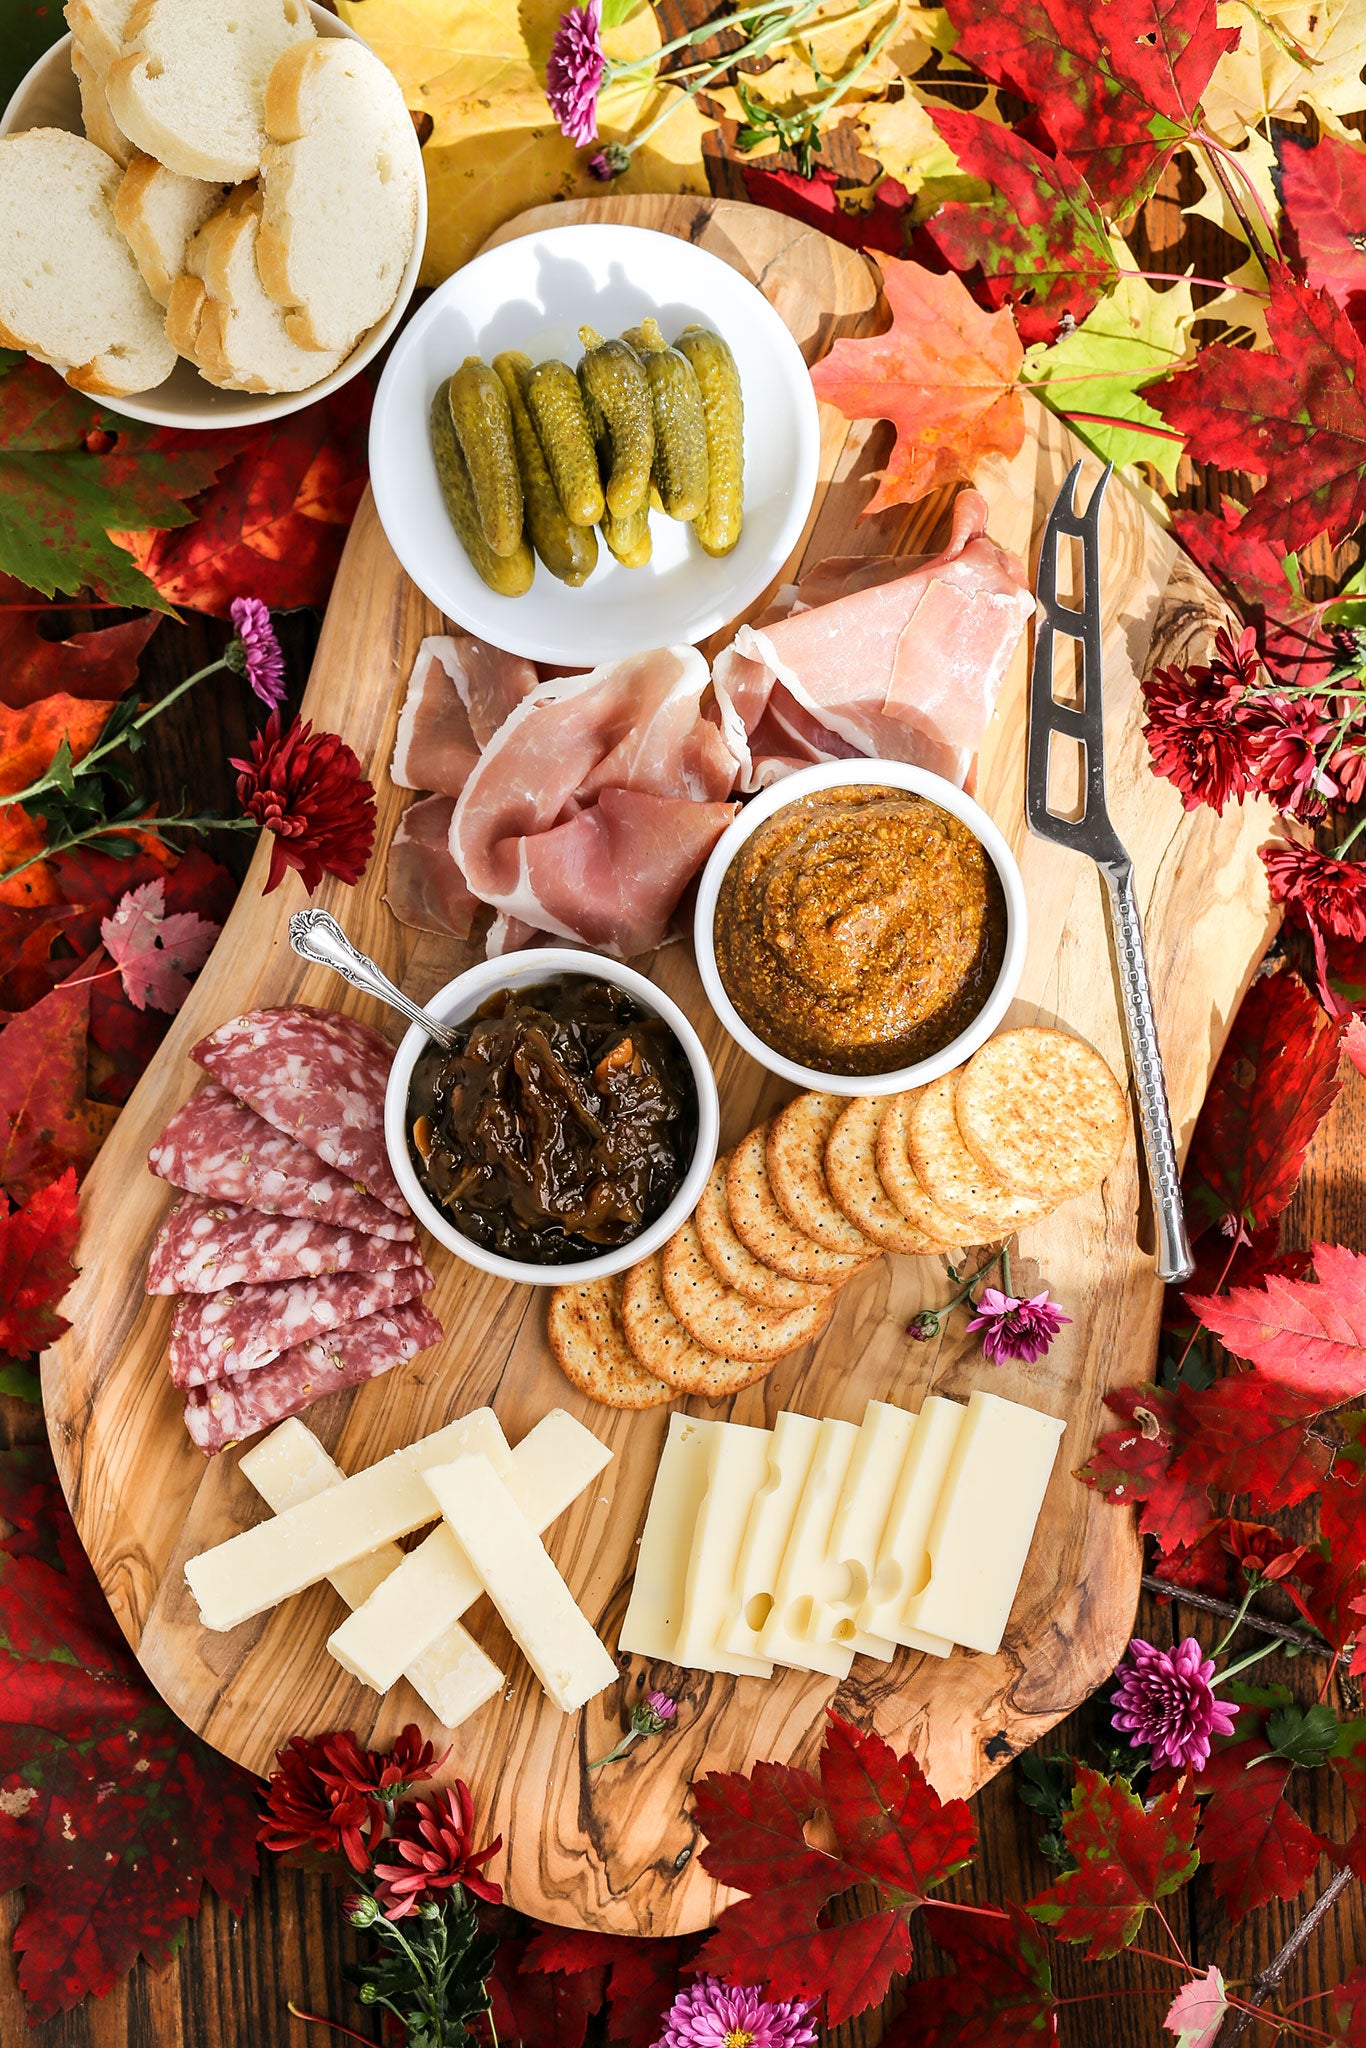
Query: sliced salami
point(233, 1408)
point(216, 1336)
point(203, 1247)
point(319, 1077)
point(216, 1146)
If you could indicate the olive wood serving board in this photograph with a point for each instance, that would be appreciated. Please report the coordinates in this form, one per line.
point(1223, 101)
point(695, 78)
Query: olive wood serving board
point(615, 1849)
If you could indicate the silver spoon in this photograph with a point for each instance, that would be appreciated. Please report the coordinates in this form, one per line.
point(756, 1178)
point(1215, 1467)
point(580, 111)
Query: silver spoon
point(315, 935)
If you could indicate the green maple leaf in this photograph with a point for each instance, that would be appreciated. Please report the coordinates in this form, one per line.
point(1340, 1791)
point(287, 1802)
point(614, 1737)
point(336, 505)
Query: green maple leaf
point(65, 484)
point(1134, 336)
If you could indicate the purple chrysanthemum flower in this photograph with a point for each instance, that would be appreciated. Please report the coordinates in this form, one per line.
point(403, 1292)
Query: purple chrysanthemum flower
point(610, 162)
point(710, 2014)
point(574, 73)
point(256, 654)
point(661, 1706)
point(1165, 1699)
point(1016, 1329)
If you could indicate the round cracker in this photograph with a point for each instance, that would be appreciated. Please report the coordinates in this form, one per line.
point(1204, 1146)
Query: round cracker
point(851, 1171)
point(591, 1350)
point(899, 1178)
point(951, 1176)
point(727, 1322)
point(663, 1346)
point(762, 1227)
point(795, 1155)
point(734, 1263)
point(1041, 1111)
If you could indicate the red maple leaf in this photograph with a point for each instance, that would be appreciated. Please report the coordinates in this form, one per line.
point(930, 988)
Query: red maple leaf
point(156, 953)
point(1249, 571)
point(1128, 1856)
point(1133, 1464)
point(1349, 2010)
point(549, 2007)
point(1276, 1081)
point(1337, 1576)
point(1001, 1995)
point(945, 374)
point(1323, 199)
point(885, 225)
point(29, 738)
point(1117, 84)
point(102, 665)
point(1308, 1335)
point(642, 1977)
point(1244, 1434)
point(1296, 416)
point(273, 524)
point(1040, 240)
point(44, 1122)
point(1252, 1842)
point(112, 1814)
point(889, 1827)
point(36, 1247)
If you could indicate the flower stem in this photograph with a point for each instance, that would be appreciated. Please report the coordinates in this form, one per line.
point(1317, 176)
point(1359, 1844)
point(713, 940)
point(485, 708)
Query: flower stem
point(811, 115)
point(694, 36)
point(773, 32)
point(318, 2019)
point(1282, 1631)
point(628, 1741)
point(1252, 1657)
point(153, 826)
point(1231, 1631)
point(1340, 852)
point(102, 747)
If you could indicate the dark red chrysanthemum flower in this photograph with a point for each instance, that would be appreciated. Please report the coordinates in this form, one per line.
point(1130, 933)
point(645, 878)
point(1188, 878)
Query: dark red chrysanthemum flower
point(1288, 738)
point(349, 1768)
point(1261, 1550)
point(307, 788)
point(1194, 734)
point(1325, 894)
point(432, 1837)
point(307, 1808)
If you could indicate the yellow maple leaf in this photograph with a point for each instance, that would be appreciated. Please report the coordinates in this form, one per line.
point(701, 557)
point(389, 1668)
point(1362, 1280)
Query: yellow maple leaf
point(1288, 51)
point(477, 68)
point(900, 135)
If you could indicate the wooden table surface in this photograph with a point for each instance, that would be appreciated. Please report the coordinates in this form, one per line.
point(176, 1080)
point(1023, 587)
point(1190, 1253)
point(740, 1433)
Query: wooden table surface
point(231, 1982)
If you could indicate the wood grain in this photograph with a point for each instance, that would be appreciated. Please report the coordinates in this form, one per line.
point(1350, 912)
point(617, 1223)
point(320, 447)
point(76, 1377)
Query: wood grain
point(616, 1851)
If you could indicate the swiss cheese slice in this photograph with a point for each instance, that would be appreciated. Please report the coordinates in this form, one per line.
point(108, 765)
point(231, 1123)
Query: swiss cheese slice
point(805, 1566)
point(984, 1521)
point(737, 1466)
point(654, 1614)
point(767, 1528)
point(514, 1569)
point(857, 1530)
point(903, 1557)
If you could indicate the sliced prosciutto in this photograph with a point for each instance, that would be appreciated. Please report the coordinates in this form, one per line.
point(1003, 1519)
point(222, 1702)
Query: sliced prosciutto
point(231, 1409)
point(215, 1146)
point(241, 1329)
point(597, 800)
point(460, 691)
point(895, 663)
point(425, 888)
point(205, 1246)
point(318, 1076)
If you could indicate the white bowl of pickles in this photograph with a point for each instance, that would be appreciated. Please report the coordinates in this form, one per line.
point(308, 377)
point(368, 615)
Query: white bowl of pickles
point(593, 440)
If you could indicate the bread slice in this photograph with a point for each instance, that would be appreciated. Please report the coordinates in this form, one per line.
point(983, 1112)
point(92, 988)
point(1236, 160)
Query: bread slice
point(158, 212)
point(189, 87)
point(97, 30)
point(70, 292)
point(339, 180)
point(220, 316)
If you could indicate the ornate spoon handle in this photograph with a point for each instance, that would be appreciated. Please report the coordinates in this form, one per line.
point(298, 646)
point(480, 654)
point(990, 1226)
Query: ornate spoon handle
point(316, 936)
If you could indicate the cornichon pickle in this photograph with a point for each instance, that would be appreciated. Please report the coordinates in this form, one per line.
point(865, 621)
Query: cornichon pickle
point(680, 464)
point(629, 539)
point(717, 526)
point(555, 403)
point(483, 427)
point(510, 575)
point(617, 391)
point(568, 551)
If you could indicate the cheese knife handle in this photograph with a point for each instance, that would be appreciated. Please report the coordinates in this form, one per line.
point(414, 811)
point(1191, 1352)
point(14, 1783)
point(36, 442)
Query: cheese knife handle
point(1174, 1260)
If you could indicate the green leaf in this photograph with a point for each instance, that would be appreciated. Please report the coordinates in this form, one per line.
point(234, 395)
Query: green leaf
point(1305, 1735)
point(19, 1378)
point(1134, 336)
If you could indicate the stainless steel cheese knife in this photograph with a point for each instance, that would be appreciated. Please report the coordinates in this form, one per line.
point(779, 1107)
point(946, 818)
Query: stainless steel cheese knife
point(1093, 835)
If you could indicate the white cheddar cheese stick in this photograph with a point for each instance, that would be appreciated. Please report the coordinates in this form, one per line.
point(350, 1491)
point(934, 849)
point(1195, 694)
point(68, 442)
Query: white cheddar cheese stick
point(514, 1569)
point(654, 1614)
point(434, 1584)
point(984, 1521)
point(767, 1529)
point(454, 1676)
point(266, 1564)
point(785, 1635)
point(856, 1533)
point(903, 1559)
point(736, 1468)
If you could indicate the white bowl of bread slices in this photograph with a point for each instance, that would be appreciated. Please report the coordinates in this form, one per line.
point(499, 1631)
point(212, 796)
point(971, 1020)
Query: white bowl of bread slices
point(212, 212)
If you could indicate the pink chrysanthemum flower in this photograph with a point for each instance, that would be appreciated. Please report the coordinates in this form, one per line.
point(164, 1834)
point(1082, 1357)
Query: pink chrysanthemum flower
point(257, 653)
point(1165, 1698)
point(1016, 1329)
point(710, 2014)
point(574, 74)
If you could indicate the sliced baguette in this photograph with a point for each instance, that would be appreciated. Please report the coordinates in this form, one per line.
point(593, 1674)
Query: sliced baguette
point(96, 118)
point(339, 183)
point(189, 86)
point(158, 212)
point(70, 292)
point(221, 317)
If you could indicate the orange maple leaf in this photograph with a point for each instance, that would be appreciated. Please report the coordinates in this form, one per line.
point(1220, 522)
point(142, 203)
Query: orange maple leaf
point(945, 374)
